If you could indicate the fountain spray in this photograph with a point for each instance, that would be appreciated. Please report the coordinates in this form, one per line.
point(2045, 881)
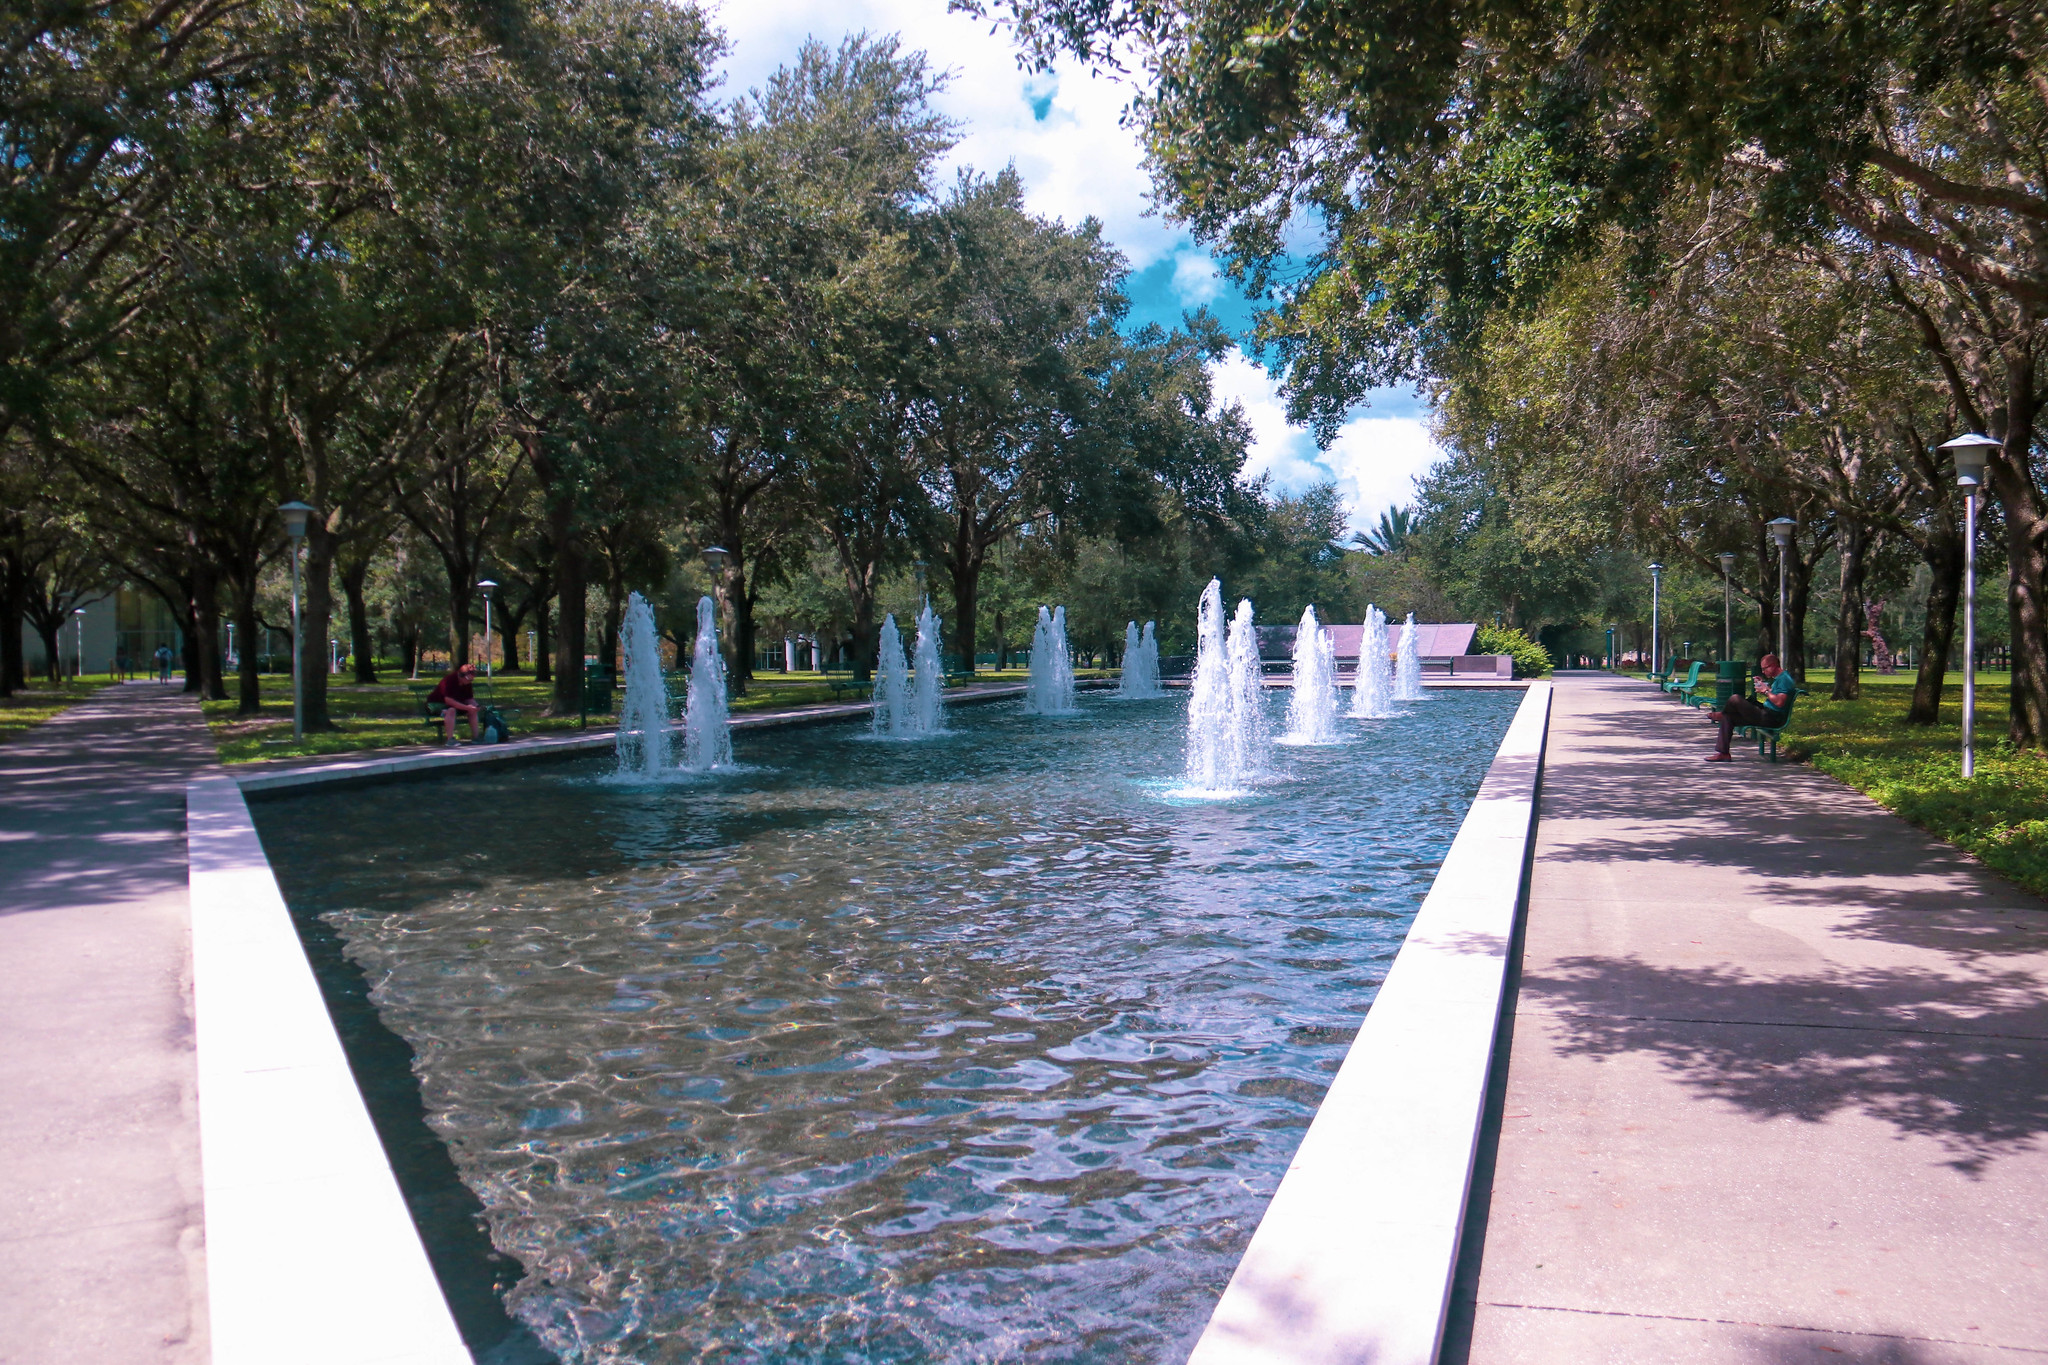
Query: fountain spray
point(927, 710)
point(892, 683)
point(1312, 705)
point(1408, 668)
point(707, 738)
point(642, 743)
point(1372, 690)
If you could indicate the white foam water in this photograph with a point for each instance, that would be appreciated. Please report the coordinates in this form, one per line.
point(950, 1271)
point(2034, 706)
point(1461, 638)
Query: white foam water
point(643, 742)
point(1372, 687)
point(707, 735)
point(1227, 735)
point(1408, 667)
point(1050, 690)
point(1312, 704)
point(892, 683)
point(1140, 679)
point(928, 683)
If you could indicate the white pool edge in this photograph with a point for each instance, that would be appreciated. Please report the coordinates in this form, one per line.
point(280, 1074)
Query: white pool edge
point(1354, 1259)
point(311, 1253)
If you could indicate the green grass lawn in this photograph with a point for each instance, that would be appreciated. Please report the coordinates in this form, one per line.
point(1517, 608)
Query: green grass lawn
point(2000, 815)
point(41, 700)
point(387, 715)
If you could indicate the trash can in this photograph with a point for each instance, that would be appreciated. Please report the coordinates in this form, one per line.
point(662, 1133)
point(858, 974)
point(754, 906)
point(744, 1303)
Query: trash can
point(1728, 675)
point(597, 688)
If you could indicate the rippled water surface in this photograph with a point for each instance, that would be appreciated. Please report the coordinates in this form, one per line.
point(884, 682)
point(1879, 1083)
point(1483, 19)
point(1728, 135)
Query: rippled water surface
point(973, 1049)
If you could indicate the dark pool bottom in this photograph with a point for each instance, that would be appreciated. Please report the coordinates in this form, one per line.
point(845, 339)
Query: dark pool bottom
point(988, 1047)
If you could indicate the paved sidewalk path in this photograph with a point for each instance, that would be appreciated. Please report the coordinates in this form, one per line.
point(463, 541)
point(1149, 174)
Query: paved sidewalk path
point(101, 1254)
point(1778, 1088)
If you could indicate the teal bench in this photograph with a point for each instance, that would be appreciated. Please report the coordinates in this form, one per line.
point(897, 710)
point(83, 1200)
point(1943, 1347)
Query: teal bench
point(1692, 679)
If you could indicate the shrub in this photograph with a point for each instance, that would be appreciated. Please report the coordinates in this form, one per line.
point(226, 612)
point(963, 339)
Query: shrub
point(1531, 659)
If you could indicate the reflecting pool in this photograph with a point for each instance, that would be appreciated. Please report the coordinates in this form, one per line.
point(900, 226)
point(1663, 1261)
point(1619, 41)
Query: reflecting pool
point(984, 1047)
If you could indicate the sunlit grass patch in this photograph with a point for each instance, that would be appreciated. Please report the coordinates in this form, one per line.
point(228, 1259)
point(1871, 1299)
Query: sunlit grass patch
point(40, 700)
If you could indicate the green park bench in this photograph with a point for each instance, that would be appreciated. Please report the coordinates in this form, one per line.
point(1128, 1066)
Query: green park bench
point(1692, 679)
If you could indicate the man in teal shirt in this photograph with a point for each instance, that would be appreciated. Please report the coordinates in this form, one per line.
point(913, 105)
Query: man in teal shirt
point(1772, 709)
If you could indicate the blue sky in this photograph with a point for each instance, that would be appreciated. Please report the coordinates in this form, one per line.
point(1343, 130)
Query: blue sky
point(1063, 133)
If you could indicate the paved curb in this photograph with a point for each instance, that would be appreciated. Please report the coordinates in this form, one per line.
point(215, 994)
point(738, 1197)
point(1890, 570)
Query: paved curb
point(311, 1253)
point(1355, 1256)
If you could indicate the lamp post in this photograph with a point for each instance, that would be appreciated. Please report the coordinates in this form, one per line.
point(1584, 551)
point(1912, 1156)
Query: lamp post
point(295, 514)
point(1610, 648)
point(78, 638)
point(487, 587)
point(1781, 531)
point(1727, 606)
point(233, 661)
point(1970, 451)
point(1656, 616)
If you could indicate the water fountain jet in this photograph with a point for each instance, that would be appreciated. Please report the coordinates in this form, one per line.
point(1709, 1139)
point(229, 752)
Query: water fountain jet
point(707, 737)
point(1140, 678)
point(642, 743)
point(1372, 689)
point(1408, 667)
point(927, 709)
point(1312, 705)
point(1050, 691)
point(892, 683)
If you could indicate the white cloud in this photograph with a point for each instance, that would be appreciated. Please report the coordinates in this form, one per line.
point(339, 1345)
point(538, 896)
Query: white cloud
point(1196, 279)
point(1060, 129)
point(1374, 460)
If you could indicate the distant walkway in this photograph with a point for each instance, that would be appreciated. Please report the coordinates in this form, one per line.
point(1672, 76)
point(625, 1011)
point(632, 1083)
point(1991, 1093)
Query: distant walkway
point(1778, 1088)
point(101, 1255)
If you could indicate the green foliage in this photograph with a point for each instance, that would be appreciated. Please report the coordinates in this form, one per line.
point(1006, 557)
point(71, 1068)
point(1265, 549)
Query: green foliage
point(1531, 659)
point(1389, 535)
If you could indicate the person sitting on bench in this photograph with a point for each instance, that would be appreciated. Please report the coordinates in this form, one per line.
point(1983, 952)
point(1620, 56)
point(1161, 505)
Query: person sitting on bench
point(456, 696)
point(1770, 711)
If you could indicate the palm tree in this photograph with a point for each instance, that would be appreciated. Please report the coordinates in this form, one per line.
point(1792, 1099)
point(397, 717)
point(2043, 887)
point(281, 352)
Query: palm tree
point(1390, 536)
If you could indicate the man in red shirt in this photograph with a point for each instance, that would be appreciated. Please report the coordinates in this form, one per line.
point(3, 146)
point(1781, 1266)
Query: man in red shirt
point(457, 696)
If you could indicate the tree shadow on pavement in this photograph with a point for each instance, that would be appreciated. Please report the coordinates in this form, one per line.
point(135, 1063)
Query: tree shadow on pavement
point(1964, 1062)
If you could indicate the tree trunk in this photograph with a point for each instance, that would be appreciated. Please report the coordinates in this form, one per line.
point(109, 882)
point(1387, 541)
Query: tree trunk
point(13, 676)
point(206, 631)
point(2026, 550)
point(1853, 544)
point(867, 642)
point(508, 639)
point(459, 577)
point(1002, 644)
point(543, 668)
point(1798, 592)
point(353, 573)
point(53, 663)
point(614, 617)
point(570, 591)
point(965, 608)
point(317, 594)
point(1944, 556)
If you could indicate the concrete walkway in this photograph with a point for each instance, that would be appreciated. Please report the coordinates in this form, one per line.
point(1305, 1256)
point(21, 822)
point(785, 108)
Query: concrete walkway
point(1778, 1083)
point(101, 1256)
